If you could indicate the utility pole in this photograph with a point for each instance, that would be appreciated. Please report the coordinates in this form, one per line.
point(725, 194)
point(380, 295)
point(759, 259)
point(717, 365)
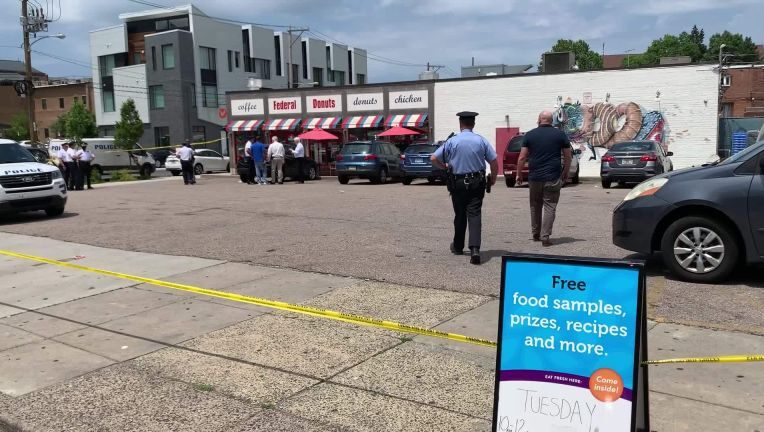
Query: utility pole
point(290, 76)
point(30, 23)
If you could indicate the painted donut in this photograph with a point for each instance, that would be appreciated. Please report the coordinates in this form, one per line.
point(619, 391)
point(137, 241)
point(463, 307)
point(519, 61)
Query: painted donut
point(608, 117)
point(631, 127)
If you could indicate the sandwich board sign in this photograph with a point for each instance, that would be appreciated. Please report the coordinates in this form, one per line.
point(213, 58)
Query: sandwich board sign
point(572, 338)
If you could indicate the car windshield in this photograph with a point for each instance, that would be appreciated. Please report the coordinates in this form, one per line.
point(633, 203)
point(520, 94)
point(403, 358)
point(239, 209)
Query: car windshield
point(429, 148)
point(743, 155)
point(515, 144)
point(633, 146)
point(356, 148)
point(14, 153)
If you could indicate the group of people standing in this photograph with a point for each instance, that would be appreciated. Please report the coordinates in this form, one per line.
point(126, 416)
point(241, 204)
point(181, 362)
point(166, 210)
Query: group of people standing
point(548, 152)
point(257, 154)
point(75, 165)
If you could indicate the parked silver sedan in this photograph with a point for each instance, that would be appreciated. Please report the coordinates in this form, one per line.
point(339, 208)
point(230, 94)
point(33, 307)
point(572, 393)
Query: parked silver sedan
point(634, 162)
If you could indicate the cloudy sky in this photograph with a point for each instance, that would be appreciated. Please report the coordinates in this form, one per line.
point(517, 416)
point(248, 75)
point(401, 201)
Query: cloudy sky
point(404, 34)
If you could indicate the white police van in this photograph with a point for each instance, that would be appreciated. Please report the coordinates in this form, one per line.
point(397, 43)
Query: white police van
point(27, 185)
point(109, 158)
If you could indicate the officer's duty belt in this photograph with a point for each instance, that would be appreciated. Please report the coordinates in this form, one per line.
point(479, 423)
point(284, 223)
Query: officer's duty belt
point(476, 174)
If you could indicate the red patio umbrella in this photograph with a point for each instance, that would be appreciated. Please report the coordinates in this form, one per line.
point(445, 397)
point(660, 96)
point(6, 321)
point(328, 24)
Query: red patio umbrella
point(318, 135)
point(398, 131)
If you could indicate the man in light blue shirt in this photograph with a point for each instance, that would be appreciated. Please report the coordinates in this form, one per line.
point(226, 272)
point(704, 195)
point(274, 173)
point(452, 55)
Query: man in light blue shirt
point(258, 159)
point(464, 156)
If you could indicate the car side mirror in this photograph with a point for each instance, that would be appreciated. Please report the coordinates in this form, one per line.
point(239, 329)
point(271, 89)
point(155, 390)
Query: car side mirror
point(669, 153)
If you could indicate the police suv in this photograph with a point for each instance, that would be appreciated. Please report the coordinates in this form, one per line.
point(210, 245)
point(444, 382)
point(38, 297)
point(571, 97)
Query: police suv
point(27, 185)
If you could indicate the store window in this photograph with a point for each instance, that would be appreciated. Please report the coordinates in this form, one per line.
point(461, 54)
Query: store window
point(168, 57)
point(156, 94)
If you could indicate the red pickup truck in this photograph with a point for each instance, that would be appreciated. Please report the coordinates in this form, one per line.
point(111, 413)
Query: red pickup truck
point(512, 153)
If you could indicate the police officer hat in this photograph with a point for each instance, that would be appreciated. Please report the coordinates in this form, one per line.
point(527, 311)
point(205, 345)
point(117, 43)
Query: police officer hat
point(467, 115)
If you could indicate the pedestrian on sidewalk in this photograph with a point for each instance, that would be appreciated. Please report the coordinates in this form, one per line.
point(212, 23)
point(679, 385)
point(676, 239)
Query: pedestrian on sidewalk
point(543, 148)
point(186, 156)
point(258, 157)
point(276, 153)
point(464, 156)
point(84, 160)
point(299, 156)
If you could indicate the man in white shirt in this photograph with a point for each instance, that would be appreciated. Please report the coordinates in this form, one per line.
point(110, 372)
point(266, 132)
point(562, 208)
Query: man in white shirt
point(299, 156)
point(276, 153)
point(66, 157)
point(186, 156)
point(84, 159)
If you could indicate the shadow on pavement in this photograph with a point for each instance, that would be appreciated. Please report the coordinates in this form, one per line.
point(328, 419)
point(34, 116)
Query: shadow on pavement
point(750, 276)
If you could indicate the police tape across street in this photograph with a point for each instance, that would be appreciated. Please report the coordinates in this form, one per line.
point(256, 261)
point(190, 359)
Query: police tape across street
point(339, 316)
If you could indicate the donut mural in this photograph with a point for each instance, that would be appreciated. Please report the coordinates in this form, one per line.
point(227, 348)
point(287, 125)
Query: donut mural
point(604, 124)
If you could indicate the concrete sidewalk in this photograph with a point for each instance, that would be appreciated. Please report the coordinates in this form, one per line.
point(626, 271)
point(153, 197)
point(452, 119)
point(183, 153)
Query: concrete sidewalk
point(81, 351)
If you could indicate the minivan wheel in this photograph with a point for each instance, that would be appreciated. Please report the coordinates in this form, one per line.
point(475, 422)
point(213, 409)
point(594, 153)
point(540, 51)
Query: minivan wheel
point(312, 174)
point(510, 181)
point(54, 211)
point(146, 170)
point(606, 184)
point(343, 179)
point(407, 180)
point(699, 249)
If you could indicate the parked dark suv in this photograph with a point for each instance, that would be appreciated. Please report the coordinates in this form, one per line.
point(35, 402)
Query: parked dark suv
point(634, 162)
point(416, 163)
point(376, 161)
point(705, 220)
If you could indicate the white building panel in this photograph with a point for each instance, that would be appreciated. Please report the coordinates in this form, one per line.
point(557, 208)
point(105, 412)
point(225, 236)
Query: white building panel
point(676, 105)
point(129, 83)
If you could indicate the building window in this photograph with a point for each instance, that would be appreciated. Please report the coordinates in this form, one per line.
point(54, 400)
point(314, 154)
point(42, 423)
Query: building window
point(360, 79)
point(236, 59)
point(295, 75)
point(44, 103)
point(207, 58)
point(339, 77)
point(318, 76)
point(61, 103)
point(168, 57)
point(262, 68)
point(107, 64)
point(197, 133)
point(305, 59)
point(193, 95)
point(329, 71)
point(230, 61)
point(154, 58)
point(161, 136)
point(85, 101)
point(350, 66)
point(277, 46)
point(46, 132)
point(74, 100)
point(137, 58)
point(726, 80)
point(108, 101)
point(156, 96)
point(210, 96)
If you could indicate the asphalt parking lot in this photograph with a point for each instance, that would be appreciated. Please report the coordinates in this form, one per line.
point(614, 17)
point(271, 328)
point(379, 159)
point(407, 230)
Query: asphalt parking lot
point(386, 233)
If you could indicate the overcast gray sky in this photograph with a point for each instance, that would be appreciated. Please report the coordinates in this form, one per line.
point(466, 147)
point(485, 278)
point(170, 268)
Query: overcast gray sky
point(448, 32)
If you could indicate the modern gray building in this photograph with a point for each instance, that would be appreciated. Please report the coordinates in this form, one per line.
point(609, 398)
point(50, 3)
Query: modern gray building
point(177, 64)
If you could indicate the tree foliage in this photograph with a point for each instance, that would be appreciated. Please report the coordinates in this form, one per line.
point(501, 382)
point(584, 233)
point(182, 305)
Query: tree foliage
point(79, 123)
point(59, 126)
point(742, 47)
point(586, 58)
point(130, 127)
point(19, 129)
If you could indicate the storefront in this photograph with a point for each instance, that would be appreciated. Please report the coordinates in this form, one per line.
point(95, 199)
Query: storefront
point(351, 113)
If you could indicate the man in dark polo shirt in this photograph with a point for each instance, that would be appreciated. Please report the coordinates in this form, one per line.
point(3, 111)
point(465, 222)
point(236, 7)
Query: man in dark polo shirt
point(543, 148)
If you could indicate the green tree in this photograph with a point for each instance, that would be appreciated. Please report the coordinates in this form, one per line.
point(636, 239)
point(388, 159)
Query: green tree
point(59, 126)
point(684, 44)
point(743, 48)
point(80, 123)
point(19, 129)
point(129, 129)
point(586, 59)
point(698, 37)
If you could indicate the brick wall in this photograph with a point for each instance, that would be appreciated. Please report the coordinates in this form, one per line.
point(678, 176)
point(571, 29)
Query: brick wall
point(11, 105)
point(688, 104)
point(52, 95)
point(746, 92)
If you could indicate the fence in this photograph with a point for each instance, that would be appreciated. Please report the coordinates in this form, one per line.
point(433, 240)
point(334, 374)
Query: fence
point(737, 133)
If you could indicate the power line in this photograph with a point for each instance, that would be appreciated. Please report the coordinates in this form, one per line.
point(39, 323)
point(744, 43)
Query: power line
point(159, 6)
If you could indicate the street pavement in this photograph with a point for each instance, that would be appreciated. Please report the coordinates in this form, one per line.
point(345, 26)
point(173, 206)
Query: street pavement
point(82, 351)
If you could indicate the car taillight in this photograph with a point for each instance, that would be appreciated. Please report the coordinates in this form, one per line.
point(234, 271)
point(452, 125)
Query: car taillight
point(403, 156)
point(339, 158)
point(650, 157)
point(369, 157)
point(608, 158)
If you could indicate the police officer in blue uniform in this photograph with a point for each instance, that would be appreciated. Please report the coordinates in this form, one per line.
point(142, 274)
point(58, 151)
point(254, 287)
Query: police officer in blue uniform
point(464, 156)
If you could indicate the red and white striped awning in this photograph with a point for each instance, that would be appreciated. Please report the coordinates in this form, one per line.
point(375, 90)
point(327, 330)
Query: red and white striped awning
point(282, 124)
point(243, 125)
point(414, 120)
point(321, 123)
point(358, 122)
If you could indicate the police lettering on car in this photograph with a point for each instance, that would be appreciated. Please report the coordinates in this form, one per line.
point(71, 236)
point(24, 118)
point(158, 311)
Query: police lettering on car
point(464, 156)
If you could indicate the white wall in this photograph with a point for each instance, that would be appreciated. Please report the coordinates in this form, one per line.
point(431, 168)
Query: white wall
point(262, 46)
point(316, 58)
point(107, 41)
point(340, 60)
point(688, 103)
point(360, 63)
point(129, 83)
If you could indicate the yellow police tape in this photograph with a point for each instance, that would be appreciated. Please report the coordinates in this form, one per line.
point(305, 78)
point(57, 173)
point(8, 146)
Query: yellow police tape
point(273, 304)
point(167, 147)
point(341, 316)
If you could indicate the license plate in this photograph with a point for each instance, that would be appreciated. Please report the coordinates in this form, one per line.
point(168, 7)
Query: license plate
point(627, 162)
point(418, 160)
point(352, 168)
